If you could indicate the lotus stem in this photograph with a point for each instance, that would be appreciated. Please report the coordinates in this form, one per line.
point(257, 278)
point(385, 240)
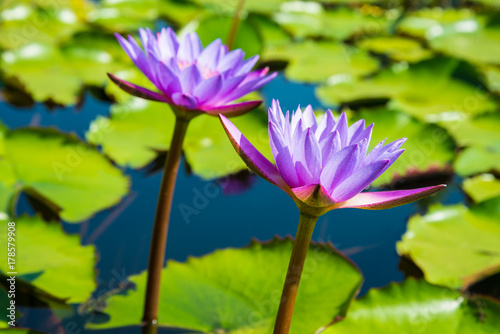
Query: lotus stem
point(160, 228)
point(294, 272)
point(231, 37)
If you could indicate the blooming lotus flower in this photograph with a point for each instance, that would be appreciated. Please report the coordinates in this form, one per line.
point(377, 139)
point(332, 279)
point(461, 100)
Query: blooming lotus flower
point(325, 165)
point(190, 77)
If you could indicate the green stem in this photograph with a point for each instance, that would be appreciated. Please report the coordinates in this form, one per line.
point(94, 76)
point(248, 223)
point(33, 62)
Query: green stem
point(160, 228)
point(231, 37)
point(289, 294)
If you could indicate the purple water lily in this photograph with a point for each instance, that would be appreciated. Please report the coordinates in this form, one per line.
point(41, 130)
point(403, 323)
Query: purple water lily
point(190, 77)
point(326, 165)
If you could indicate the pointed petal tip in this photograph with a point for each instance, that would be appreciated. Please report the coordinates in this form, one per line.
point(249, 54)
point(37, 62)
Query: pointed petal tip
point(232, 110)
point(137, 91)
point(388, 199)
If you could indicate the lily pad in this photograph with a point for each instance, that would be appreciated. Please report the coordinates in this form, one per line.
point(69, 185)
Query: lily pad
point(482, 187)
point(49, 259)
point(474, 160)
point(23, 23)
point(454, 245)
point(138, 129)
point(309, 19)
point(312, 61)
point(124, 15)
point(397, 48)
point(426, 90)
point(414, 307)
point(62, 172)
point(217, 26)
point(229, 6)
point(429, 21)
point(428, 146)
point(30, 65)
point(481, 131)
point(238, 290)
point(135, 131)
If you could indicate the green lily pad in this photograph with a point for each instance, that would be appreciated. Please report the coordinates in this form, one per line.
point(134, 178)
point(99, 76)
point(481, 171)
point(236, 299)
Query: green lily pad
point(180, 12)
point(309, 19)
point(124, 15)
point(238, 291)
point(138, 129)
point(20, 331)
point(455, 246)
point(30, 65)
point(49, 259)
point(474, 160)
point(92, 55)
point(313, 62)
point(229, 6)
point(426, 90)
point(492, 77)
point(397, 48)
point(22, 23)
point(428, 146)
point(210, 153)
point(135, 131)
point(428, 21)
point(58, 169)
point(482, 187)
point(414, 307)
point(217, 26)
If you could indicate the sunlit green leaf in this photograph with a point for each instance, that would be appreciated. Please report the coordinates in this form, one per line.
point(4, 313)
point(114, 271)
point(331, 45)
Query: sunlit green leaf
point(238, 291)
point(304, 19)
point(426, 90)
point(473, 160)
point(229, 6)
point(62, 172)
point(179, 12)
point(138, 129)
point(217, 26)
point(414, 307)
point(482, 187)
point(135, 131)
point(124, 15)
point(312, 61)
point(453, 245)
point(32, 64)
point(427, 146)
point(480, 131)
point(397, 48)
point(210, 153)
point(22, 24)
point(428, 21)
point(49, 259)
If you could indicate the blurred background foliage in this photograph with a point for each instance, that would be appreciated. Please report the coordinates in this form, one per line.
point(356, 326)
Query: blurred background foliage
point(426, 70)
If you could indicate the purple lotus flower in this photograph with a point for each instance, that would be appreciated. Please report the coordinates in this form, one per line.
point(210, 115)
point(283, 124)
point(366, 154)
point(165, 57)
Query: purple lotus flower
point(190, 77)
point(324, 166)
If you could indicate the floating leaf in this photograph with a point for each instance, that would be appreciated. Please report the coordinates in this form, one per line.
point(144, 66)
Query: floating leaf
point(213, 27)
point(30, 65)
point(482, 187)
point(229, 6)
point(125, 15)
point(20, 331)
point(428, 146)
point(22, 24)
point(238, 290)
point(62, 172)
point(426, 90)
point(209, 152)
point(453, 245)
point(429, 21)
point(135, 131)
point(414, 307)
point(49, 259)
point(480, 131)
point(312, 61)
point(305, 19)
point(138, 129)
point(474, 160)
point(397, 48)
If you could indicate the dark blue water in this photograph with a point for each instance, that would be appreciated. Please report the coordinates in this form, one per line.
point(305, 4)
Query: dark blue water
point(122, 233)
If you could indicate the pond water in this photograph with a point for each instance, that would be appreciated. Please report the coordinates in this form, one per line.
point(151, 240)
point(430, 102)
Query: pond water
point(122, 234)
